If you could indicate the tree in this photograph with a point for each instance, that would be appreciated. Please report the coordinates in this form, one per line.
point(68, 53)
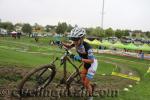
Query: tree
point(95, 31)
point(47, 28)
point(50, 28)
point(148, 34)
point(7, 25)
point(69, 28)
point(98, 32)
point(119, 33)
point(133, 35)
point(18, 24)
point(61, 28)
point(27, 29)
point(126, 32)
point(109, 32)
point(18, 27)
point(89, 31)
point(53, 28)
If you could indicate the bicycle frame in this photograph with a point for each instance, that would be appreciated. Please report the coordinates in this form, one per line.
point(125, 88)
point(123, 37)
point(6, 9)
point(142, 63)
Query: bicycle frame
point(64, 59)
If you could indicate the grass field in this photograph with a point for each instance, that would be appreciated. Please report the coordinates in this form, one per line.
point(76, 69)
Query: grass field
point(27, 54)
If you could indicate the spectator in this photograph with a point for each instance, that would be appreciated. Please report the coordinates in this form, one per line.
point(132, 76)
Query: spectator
point(18, 35)
point(36, 38)
point(141, 54)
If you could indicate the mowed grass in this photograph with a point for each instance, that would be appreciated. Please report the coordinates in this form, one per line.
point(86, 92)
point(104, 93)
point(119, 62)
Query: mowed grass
point(27, 59)
point(26, 53)
point(10, 57)
point(30, 59)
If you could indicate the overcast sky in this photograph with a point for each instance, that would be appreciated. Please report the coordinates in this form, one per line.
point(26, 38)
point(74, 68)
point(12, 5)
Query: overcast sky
point(119, 14)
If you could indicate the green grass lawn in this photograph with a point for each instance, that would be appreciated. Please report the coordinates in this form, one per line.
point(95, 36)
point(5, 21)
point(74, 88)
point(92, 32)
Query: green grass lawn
point(26, 53)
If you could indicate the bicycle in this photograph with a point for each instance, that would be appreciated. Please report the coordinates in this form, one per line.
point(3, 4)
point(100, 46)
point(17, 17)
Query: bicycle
point(42, 76)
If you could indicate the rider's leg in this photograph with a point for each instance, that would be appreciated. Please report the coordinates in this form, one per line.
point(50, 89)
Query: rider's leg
point(88, 86)
point(83, 74)
point(86, 81)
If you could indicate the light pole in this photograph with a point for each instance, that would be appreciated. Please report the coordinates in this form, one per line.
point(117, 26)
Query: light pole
point(102, 20)
point(102, 15)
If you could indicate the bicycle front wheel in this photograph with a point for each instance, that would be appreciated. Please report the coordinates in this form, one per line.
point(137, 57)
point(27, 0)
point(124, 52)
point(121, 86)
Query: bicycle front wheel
point(37, 79)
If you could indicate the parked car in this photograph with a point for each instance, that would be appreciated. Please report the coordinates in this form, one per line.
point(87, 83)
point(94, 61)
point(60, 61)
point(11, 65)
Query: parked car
point(113, 39)
point(127, 40)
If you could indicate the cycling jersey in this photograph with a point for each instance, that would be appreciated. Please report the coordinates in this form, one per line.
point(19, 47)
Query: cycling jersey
point(85, 51)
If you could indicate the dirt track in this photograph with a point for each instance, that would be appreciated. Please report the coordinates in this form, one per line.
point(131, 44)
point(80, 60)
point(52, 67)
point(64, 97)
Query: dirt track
point(13, 75)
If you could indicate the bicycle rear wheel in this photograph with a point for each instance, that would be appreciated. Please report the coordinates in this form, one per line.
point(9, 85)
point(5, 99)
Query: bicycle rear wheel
point(37, 79)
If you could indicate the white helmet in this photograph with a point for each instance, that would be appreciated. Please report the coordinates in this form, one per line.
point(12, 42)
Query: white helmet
point(77, 33)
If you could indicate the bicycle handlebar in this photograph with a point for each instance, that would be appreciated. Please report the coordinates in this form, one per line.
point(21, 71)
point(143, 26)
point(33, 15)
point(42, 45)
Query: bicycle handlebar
point(65, 48)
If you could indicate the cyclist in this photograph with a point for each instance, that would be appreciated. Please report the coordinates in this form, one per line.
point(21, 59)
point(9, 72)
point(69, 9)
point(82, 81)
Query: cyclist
point(86, 56)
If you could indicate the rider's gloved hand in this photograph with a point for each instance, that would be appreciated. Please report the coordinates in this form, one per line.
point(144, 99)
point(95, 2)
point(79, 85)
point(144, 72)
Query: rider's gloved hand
point(77, 57)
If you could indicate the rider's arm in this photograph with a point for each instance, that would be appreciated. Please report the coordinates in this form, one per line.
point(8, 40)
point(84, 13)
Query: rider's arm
point(90, 57)
point(87, 60)
point(69, 46)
